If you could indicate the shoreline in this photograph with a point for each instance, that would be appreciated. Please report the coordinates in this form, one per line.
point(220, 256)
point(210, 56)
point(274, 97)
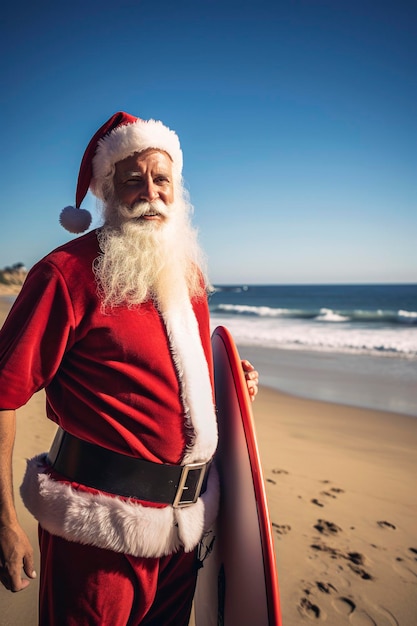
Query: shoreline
point(383, 383)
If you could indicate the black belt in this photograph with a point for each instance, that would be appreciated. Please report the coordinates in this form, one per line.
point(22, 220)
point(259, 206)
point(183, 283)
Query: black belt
point(119, 474)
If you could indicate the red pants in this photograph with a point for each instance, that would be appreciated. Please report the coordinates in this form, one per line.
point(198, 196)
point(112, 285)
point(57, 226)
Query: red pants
point(87, 586)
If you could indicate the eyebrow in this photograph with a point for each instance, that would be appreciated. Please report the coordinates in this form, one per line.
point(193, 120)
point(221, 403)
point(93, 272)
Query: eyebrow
point(133, 173)
point(138, 173)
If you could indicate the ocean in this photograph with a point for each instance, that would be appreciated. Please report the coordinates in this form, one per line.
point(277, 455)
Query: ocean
point(349, 344)
point(353, 344)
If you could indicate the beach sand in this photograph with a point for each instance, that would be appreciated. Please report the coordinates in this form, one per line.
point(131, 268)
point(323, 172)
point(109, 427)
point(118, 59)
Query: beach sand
point(341, 486)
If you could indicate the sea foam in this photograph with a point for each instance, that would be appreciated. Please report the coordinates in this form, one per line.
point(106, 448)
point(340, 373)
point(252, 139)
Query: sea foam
point(325, 335)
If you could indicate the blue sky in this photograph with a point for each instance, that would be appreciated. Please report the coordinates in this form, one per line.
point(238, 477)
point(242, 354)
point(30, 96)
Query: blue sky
point(297, 120)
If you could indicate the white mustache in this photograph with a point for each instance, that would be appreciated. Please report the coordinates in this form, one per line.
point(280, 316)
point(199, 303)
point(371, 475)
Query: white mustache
point(140, 209)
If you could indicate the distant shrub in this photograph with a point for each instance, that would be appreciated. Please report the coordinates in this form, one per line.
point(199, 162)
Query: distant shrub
point(13, 275)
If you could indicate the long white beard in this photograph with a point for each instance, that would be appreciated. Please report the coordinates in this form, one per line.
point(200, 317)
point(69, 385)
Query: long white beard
point(148, 259)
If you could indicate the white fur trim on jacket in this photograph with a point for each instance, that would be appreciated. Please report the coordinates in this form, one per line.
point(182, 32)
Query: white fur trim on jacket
point(112, 523)
point(126, 140)
point(192, 368)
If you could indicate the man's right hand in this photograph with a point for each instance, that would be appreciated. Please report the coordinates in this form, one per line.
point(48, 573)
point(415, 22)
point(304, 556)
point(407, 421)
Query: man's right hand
point(15, 553)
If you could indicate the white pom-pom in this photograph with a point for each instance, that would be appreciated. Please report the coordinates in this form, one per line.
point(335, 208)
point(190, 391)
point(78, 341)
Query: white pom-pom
point(75, 220)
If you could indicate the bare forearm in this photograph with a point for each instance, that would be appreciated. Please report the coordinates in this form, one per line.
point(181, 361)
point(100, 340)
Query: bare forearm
point(7, 437)
point(15, 549)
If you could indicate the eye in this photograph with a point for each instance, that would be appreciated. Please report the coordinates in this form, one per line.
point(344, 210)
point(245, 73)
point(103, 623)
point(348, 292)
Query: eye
point(161, 179)
point(130, 182)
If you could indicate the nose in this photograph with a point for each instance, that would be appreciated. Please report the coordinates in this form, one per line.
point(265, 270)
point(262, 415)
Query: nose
point(149, 191)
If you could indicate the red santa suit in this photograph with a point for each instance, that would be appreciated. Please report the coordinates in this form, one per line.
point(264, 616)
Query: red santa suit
point(133, 380)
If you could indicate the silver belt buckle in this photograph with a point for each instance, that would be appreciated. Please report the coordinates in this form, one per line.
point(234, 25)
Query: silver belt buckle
point(186, 469)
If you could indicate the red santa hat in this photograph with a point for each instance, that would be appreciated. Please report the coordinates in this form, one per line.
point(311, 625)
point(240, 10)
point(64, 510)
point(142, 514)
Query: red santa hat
point(120, 137)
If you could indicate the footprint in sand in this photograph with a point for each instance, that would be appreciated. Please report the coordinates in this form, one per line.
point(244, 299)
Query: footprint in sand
point(405, 565)
point(347, 607)
point(317, 502)
point(279, 471)
point(281, 529)
point(327, 494)
point(355, 560)
point(335, 489)
point(308, 609)
point(325, 587)
point(387, 525)
point(344, 606)
point(333, 492)
point(327, 528)
point(359, 617)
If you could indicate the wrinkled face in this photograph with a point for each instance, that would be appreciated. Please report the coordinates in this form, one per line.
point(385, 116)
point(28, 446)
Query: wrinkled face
point(145, 177)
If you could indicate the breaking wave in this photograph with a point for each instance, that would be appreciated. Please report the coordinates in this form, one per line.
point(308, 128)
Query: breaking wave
point(321, 315)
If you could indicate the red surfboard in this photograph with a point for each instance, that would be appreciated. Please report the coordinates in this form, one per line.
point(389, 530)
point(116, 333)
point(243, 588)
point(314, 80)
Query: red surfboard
point(238, 583)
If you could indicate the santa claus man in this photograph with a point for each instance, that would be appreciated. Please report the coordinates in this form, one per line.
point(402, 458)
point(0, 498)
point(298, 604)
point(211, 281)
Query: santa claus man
point(115, 326)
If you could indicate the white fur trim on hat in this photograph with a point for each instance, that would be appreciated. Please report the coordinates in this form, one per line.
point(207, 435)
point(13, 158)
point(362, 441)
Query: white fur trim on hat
point(112, 523)
point(128, 139)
